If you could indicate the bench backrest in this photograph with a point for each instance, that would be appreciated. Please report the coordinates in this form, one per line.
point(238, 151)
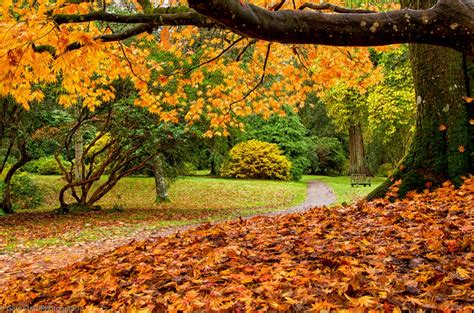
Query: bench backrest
point(358, 178)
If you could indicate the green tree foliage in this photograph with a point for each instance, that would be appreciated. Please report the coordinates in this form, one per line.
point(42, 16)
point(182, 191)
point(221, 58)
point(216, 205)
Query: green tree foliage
point(391, 110)
point(25, 193)
point(329, 156)
point(257, 159)
point(289, 134)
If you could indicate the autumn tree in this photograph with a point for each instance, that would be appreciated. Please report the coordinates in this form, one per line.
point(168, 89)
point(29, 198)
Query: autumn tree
point(89, 48)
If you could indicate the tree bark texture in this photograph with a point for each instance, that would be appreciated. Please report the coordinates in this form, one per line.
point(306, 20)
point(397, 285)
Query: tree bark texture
point(442, 142)
point(160, 182)
point(358, 163)
point(448, 23)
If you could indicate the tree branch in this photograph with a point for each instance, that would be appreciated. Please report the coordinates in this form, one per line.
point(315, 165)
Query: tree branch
point(332, 8)
point(215, 58)
point(262, 78)
point(190, 17)
point(448, 24)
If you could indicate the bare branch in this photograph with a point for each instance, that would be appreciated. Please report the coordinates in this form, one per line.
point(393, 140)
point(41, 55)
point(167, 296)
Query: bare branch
point(261, 79)
point(278, 6)
point(332, 8)
point(129, 62)
point(251, 42)
point(215, 58)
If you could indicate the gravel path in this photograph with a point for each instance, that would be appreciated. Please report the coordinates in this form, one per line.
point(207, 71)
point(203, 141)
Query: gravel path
point(20, 264)
point(318, 195)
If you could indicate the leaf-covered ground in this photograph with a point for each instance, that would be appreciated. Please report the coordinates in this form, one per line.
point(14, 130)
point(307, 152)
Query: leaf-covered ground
point(194, 199)
point(411, 254)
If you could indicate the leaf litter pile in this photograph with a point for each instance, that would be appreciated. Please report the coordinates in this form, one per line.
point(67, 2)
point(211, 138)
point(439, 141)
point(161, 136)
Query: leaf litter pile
point(412, 254)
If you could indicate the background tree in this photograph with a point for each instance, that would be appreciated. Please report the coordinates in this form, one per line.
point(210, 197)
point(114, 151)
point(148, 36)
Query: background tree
point(391, 110)
point(288, 133)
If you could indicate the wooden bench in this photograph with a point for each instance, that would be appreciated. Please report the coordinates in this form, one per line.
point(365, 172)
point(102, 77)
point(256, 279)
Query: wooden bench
point(360, 179)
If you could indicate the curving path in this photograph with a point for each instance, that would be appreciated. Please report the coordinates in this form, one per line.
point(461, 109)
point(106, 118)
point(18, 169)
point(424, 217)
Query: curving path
point(19, 264)
point(318, 195)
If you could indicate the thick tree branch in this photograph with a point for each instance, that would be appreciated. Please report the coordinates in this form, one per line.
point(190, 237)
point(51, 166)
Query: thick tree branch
point(449, 23)
point(190, 17)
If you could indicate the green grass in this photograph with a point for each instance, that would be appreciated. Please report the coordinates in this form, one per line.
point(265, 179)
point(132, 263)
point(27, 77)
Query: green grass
point(190, 193)
point(130, 207)
point(194, 200)
point(341, 186)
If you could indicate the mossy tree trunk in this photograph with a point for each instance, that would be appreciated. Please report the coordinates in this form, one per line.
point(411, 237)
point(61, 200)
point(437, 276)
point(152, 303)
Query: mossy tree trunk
point(442, 144)
point(160, 182)
point(6, 204)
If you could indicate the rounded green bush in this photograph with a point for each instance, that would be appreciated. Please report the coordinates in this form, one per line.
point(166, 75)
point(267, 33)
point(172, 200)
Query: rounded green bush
point(257, 159)
point(25, 192)
point(44, 166)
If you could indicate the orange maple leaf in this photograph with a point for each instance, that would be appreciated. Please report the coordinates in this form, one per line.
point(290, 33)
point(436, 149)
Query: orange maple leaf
point(461, 149)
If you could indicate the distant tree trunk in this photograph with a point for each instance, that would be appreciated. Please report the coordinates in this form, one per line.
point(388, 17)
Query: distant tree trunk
point(160, 183)
point(442, 144)
point(358, 163)
point(6, 204)
point(78, 139)
point(214, 165)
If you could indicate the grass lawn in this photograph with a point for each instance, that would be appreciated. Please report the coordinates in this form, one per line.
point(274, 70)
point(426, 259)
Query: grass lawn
point(130, 207)
point(341, 186)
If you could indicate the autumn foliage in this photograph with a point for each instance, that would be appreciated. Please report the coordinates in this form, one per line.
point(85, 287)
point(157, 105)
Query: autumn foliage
point(257, 159)
point(413, 254)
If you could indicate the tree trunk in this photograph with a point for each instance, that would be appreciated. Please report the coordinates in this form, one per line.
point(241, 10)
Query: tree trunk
point(78, 140)
point(160, 183)
point(6, 204)
point(358, 163)
point(442, 143)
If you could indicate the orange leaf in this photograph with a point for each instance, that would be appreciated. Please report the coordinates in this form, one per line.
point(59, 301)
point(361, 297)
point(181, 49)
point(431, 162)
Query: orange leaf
point(461, 149)
point(442, 127)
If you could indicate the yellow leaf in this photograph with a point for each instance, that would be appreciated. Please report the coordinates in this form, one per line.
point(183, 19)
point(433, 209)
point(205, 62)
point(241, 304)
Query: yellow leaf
point(463, 273)
point(364, 301)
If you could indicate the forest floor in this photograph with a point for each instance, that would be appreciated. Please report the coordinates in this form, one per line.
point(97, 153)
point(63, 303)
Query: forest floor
point(39, 259)
point(413, 254)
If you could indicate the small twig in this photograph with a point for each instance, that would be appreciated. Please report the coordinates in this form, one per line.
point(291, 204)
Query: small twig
point(215, 58)
point(130, 63)
point(333, 8)
point(245, 49)
point(278, 6)
point(295, 51)
point(259, 83)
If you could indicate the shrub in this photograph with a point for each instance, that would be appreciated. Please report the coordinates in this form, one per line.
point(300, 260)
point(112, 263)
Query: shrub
point(385, 170)
point(257, 159)
point(288, 133)
point(330, 156)
point(25, 192)
point(44, 166)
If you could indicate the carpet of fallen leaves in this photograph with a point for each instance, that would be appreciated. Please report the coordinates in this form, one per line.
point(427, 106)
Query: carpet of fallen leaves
point(412, 254)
